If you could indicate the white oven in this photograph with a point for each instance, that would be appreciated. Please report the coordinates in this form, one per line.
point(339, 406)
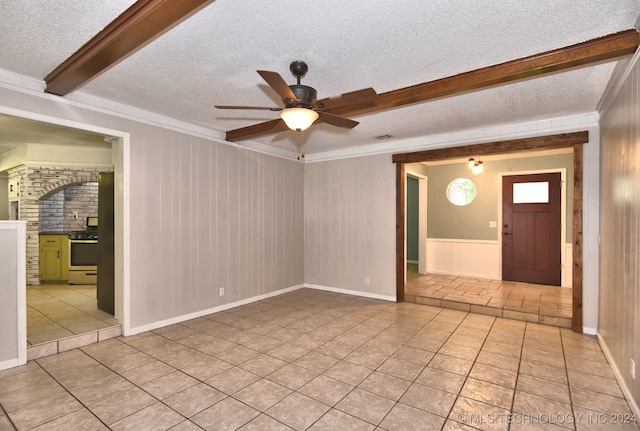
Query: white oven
point(83, 260)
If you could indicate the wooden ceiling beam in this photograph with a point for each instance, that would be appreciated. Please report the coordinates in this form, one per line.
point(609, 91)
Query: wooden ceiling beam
point(138, 25)
point(581, 54)
point(563, 140)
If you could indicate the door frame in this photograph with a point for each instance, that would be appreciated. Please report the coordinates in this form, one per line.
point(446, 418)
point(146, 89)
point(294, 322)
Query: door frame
point(564, 140)
point(121, 159)
point(422, 216)
point(563, 212)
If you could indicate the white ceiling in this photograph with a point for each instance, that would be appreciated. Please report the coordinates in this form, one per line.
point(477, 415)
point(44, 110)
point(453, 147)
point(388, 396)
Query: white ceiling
point(212, 58)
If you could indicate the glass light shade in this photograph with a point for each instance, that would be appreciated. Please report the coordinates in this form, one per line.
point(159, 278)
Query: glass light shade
point(472, 162)
point(477, 168)
point(298, 118)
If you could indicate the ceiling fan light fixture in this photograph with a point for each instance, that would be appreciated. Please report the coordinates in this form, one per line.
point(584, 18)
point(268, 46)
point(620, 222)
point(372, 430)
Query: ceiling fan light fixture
point(298, 118)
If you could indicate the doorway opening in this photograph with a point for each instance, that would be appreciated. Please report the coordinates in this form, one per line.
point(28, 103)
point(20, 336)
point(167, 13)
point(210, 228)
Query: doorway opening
point(416, 220)
point(569, 140)
point(118, 162)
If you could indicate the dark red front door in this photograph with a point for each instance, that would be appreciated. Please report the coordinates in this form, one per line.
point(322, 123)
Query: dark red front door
point(531, 226)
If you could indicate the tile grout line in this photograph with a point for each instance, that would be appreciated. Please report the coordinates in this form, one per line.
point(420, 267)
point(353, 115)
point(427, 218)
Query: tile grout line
point(71, 394)
point(515, 384)
point(6, 415)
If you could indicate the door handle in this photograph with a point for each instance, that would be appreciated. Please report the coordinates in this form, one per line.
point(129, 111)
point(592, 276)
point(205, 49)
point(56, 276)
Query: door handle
point(505, 233)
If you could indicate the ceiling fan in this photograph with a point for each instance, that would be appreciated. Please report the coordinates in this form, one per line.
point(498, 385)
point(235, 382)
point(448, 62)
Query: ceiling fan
point(301, 109)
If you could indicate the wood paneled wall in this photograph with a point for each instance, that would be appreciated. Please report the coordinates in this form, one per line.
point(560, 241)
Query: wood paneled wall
point(349, 224)
point(619, 325)
point(207, 216)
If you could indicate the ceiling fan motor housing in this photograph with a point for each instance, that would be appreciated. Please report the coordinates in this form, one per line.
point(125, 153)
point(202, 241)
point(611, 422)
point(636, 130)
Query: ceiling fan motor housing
point(306, 97)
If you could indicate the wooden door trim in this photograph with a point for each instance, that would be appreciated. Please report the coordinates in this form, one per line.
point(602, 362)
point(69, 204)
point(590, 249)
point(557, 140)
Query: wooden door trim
point(400, 230)
point(566, 140)
point(576, 322)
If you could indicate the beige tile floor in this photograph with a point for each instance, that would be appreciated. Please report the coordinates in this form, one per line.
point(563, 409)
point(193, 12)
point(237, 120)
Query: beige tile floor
point(323, 361)
point(57, 311)
point(550, 305)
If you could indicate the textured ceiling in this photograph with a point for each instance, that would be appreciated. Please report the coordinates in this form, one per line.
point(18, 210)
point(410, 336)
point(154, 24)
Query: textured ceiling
point(212, 58)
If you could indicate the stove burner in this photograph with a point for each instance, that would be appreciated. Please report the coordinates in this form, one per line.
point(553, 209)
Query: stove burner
point(84, 234)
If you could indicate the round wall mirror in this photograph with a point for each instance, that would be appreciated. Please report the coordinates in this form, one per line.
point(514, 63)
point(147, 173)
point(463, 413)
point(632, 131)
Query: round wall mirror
point(461, 191)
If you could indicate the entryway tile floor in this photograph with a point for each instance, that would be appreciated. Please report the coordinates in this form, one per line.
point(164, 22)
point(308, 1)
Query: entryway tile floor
point(549, 305)
point(317, 360)
point(62, 311)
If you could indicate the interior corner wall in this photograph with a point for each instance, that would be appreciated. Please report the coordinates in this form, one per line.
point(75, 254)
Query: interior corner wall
point(350, 225)
point(619, 309)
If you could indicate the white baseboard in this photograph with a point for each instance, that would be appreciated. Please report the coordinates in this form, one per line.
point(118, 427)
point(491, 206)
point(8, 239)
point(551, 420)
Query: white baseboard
point(195, 315)
point(352, 292)
point(5, 365)
point(616, 372)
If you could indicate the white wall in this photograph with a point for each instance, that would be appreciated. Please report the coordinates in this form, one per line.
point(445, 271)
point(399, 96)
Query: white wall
point(479, 259)
point(13, 307)
point(350, 225)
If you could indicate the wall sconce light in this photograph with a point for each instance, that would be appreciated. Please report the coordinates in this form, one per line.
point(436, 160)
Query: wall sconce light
point(472, 162)
point(477, 167)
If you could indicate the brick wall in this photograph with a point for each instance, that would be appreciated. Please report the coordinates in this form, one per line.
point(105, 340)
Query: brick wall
point(57, 209)
point(39, 191)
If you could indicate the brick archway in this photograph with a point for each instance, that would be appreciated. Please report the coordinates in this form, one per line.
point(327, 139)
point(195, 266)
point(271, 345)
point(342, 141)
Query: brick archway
point(51, 188)
point(36, 182)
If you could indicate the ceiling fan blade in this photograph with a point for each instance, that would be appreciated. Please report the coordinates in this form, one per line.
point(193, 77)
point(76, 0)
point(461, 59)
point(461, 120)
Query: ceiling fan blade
point(276, 82)
point(264, 108)
point(336, 120)
point(366, 95)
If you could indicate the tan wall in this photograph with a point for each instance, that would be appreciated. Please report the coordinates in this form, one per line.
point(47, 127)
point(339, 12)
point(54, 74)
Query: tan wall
point(619, 325)
point(206, 216)
point(350, 224)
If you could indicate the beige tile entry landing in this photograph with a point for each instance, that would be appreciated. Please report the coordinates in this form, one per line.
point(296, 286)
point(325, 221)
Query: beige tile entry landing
point(549, 305)
point(314, 360)
point(62, 317)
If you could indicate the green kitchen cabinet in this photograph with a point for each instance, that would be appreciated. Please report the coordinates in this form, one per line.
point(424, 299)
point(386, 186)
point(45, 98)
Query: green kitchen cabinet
point(54, 257)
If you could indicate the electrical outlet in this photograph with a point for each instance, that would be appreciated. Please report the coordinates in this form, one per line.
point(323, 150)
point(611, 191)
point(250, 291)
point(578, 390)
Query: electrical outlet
point(366, 281)
point(633, 369)
point(222, 291)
